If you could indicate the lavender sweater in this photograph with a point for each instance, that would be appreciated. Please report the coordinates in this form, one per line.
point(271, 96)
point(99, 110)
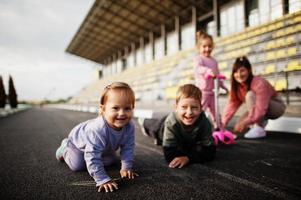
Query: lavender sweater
point(98, 141)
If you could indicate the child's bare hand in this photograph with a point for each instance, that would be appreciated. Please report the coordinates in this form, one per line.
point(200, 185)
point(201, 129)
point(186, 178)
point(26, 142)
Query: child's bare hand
point(212, 73)
point(179, 162)
point(239, 127)
point(128, 174)
point(108, 186)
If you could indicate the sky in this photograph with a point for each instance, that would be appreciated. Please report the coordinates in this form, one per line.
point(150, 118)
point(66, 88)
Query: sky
point(34, 35)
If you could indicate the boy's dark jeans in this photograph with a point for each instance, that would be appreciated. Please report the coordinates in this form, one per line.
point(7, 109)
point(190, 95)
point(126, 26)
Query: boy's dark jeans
point(155, 128)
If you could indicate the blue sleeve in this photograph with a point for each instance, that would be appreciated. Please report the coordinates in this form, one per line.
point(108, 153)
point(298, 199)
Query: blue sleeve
point(95, 146)
point(127, 148)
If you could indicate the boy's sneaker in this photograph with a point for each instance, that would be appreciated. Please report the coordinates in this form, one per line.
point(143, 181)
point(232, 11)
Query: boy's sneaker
point(255, 132)
point(157, 142)
point(60, 151)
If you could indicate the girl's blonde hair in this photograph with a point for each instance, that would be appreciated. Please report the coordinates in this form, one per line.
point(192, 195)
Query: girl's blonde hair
point(123, 88)
point(189, 91)
point(201, 35)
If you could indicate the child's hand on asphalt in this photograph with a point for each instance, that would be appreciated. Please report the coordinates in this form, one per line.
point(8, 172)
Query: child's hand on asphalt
point(179, 162)
point(128, 174)
point(108, 186)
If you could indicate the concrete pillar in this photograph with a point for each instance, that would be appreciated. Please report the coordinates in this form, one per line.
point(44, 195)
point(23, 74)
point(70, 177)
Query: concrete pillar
point(142, 49)
point(151, 42)
point(216, 16)
point(177, 30)
point(194, 21)
point(163, 35)
point(133, 50)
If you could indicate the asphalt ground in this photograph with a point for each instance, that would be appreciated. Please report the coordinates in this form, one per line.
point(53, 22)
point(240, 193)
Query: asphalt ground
point(251, 169)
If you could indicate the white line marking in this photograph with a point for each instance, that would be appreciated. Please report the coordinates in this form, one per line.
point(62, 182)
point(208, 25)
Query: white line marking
point(90, 183)
point(253, 185)
point(83, 183)
point(233, 178)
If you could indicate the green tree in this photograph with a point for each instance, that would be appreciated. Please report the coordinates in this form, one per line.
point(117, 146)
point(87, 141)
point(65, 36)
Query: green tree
point(12, 95)
point(2, 94)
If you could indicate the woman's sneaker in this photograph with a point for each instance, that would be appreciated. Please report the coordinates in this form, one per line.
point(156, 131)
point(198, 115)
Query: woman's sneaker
point(60, 151)
point(255, 132)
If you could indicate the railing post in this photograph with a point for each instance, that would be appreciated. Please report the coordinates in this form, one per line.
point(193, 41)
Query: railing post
point(287, 89)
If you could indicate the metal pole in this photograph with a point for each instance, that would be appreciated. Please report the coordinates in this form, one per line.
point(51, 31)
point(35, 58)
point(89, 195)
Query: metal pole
point(216, 102)
point(287, 89)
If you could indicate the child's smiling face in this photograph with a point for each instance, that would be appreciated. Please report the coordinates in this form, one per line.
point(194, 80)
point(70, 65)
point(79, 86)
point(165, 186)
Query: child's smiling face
point(117, 110)
point(206, 47)
point(188, 110)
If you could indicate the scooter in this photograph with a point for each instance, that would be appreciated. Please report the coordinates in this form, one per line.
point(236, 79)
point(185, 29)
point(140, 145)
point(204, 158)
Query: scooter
point(220, 135)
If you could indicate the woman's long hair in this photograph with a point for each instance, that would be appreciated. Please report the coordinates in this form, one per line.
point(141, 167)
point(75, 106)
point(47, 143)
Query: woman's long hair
point(240, 62)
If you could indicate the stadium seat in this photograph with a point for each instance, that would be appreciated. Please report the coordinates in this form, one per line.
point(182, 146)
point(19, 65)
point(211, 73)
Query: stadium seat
point(292, 51)
point(280, 42)
point(293, 65)
point(278, 33)
point(270, 45)
point(270, 69)
point(259, 70)
point(170, 92)
point(280, 84)
point(281, 53)
point(270, 55)
point(290, 40)
point(264, 29)
point(222, 65)
point(297, 19)
point(183, 81)
point(291, 30)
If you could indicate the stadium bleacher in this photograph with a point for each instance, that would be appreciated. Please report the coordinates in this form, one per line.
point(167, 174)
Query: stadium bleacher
point(272, 49)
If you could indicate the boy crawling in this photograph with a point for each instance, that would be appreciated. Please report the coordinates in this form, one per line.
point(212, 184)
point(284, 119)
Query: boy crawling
point(187, 134)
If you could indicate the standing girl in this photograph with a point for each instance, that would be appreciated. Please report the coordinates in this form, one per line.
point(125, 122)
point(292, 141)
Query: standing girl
point(206, 65)
point(93, 144)
point(261, 99)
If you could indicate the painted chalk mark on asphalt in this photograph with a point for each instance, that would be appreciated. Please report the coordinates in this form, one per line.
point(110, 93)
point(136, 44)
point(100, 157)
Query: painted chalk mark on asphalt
point(83, 183)
point(236, 179)
point(91, 183)
point(256, 186)
point(230, 177)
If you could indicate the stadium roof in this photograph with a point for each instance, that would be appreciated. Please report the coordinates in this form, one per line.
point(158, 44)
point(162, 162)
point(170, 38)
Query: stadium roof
point(112, 25)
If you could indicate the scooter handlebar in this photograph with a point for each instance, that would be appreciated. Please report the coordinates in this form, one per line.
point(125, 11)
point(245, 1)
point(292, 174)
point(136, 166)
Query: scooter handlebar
point(219, 76)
